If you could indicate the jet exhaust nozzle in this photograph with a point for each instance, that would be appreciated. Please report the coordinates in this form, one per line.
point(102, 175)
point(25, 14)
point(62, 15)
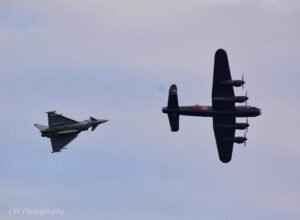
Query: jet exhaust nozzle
point(40, 127)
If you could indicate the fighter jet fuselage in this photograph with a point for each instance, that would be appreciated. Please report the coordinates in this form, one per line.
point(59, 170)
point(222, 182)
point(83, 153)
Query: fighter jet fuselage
point(62, 130)
point(70, 129)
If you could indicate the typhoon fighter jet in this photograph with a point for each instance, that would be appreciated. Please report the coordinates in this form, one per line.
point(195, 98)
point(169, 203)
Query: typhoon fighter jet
point(223, 110)
point(62, 130)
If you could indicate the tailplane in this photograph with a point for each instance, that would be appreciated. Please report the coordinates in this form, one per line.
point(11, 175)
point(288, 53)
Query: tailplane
point(173, 99)
point(174, 121)
point(172, 108)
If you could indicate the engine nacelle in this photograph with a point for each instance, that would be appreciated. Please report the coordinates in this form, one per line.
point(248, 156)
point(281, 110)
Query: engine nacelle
point(238, 99)
point(239, 126)
point(235, 83)
point(238, 140)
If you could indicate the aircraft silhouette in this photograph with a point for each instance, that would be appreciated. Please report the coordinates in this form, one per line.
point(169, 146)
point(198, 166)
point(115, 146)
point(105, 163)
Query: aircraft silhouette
point(63, 130)
point(223, 109)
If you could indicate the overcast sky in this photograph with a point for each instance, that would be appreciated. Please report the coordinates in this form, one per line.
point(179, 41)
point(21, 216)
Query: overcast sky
point(116, 60)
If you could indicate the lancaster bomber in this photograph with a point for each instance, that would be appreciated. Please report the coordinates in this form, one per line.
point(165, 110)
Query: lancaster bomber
point(223, 110)
point(62, 130)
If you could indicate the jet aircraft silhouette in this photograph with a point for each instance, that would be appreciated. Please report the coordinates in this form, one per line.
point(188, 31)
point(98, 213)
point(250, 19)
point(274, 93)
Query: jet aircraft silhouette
point(223, 109)
point(62, 130)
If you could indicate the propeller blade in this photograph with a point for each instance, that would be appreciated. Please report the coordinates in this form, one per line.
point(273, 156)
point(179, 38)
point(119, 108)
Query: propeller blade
point(245, 139)
point(243, 81)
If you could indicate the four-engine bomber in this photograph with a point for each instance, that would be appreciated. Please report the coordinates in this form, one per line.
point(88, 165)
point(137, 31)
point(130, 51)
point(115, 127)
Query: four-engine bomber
point(223, 109)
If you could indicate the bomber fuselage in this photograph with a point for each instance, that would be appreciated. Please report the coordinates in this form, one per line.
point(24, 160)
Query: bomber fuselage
point(208, 111)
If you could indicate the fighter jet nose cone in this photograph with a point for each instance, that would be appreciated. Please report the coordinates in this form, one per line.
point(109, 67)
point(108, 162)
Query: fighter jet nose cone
point(103, 121)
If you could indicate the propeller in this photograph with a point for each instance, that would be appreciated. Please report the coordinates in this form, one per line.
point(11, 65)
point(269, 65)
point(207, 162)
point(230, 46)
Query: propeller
point(243, 81)
point(248, 125)
point(245, 139)
point(247, 97)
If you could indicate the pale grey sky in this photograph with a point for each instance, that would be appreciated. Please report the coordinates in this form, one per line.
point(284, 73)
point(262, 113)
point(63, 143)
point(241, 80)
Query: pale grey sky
point(115, 60)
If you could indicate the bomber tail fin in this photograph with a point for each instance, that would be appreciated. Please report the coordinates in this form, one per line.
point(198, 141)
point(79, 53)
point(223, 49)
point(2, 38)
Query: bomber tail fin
point(173, 99)
point(174, 121)
point(172, 107)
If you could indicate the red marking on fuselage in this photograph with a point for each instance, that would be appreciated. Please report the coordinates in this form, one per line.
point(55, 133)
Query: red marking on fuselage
point(200, 107)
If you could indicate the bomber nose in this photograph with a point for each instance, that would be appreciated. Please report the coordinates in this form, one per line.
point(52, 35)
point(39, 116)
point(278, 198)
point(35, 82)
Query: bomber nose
point(259, 111)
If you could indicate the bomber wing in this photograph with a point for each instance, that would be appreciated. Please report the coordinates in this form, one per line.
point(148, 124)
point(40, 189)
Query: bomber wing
point(220, 89)
point(55, 119)
point(59, 142)
point(223, 90)
point(221, 134)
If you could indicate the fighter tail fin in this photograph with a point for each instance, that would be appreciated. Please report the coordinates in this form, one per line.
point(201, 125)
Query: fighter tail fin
point(172, 107)
point(40, 127)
